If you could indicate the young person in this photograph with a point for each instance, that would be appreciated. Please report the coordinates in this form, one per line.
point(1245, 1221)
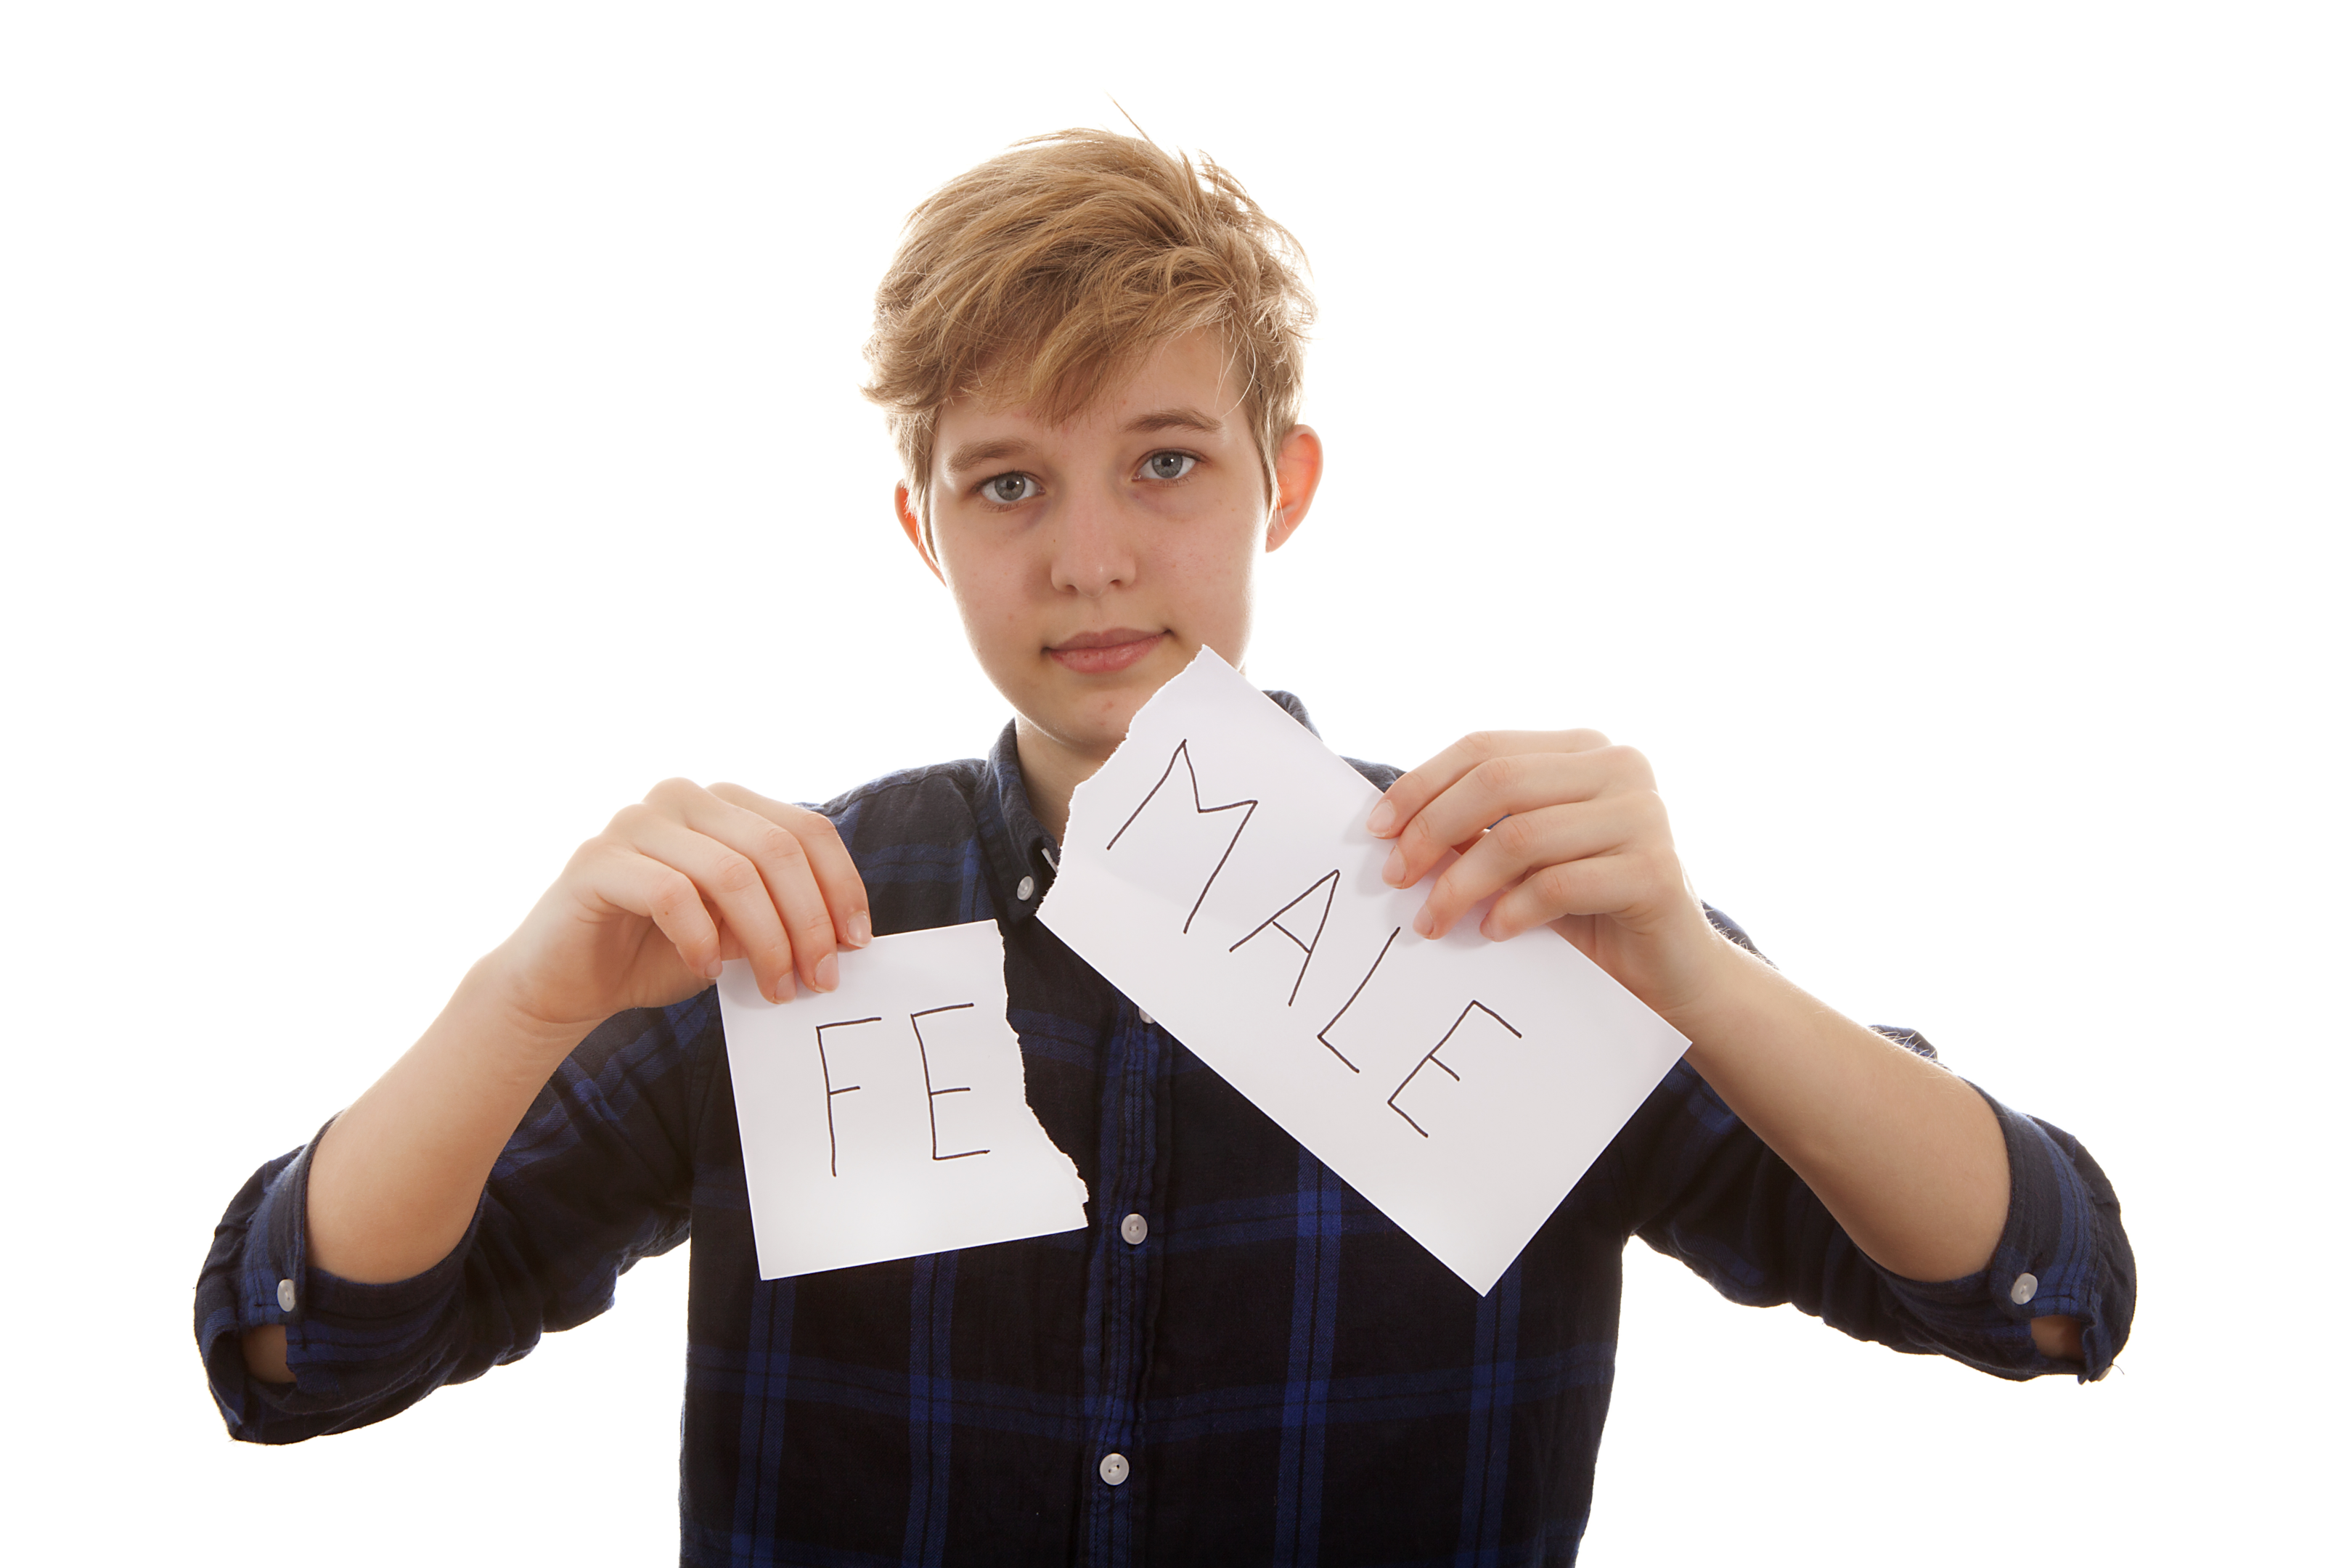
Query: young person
point(1090, 352)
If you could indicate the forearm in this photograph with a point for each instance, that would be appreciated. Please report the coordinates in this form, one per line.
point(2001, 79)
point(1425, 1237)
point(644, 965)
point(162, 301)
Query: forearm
point(1908, 1157)
point(395, 1181)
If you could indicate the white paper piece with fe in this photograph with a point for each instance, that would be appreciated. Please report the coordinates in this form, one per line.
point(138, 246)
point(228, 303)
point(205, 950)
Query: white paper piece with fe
point(1217, 869)
point(889, 1117)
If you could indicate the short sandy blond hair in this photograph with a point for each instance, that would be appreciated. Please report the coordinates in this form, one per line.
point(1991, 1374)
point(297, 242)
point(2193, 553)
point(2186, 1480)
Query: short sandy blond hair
point(1045, 275)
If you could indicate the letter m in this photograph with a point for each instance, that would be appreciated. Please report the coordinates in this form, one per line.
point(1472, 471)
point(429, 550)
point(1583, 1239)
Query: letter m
point(1164, 837)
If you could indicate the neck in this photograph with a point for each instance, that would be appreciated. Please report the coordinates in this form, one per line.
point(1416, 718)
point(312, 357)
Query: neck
point(1050, 771)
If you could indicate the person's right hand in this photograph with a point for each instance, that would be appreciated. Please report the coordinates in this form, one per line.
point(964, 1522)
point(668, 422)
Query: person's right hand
point(647, 911)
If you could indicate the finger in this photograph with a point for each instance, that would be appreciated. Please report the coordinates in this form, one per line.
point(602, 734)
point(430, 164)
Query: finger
point(782, 862)
point(1601, 885)
point(728, 881)
point(1423, 785)
point(1499, 786)
point(623, 879)
point(1524, 842)
point(837, 874)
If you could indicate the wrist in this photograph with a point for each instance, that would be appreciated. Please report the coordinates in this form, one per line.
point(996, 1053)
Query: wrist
point(1706, 979)
point(1725, 985)
point(491, 1012)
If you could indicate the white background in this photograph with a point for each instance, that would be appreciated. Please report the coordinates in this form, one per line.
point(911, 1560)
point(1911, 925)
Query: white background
point(1922, 431)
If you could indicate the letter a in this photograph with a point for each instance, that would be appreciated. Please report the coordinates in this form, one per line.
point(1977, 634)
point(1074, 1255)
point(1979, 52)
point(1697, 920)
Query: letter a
point(1330, 884)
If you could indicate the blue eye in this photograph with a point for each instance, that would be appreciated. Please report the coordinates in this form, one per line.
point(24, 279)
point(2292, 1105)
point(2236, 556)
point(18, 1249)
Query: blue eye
point(1169, 465)
point(1007, 489)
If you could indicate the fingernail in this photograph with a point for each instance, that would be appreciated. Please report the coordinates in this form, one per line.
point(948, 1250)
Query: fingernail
point(861, 929)
point(828, 972)
point(714, 969)
point(784, 988)
point(1383, 818)
point(1392, 873)
point(1425, 923)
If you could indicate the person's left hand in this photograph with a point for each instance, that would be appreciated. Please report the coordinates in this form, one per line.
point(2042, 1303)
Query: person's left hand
point(1568, 830)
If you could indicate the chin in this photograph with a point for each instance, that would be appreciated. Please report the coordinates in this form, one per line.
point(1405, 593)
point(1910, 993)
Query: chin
point(1105, 721)
point(1095, 721)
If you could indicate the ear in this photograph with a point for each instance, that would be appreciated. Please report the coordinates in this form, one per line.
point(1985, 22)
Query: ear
point(1298, 470)
point(903, 504)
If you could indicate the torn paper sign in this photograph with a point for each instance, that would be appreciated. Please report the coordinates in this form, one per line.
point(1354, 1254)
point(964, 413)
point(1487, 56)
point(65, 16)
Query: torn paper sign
point(1217, 869)
point(888, 1119)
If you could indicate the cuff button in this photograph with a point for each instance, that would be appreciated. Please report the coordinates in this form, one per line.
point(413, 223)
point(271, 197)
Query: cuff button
point(2022, 1289)
point(286, 1295)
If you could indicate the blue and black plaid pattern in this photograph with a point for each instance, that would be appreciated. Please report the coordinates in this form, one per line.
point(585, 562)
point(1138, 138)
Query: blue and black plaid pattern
point(1292, 1379)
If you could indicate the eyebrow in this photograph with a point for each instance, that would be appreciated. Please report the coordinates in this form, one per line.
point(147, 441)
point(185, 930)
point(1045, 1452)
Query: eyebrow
point(973, 453)
point(1178, 418)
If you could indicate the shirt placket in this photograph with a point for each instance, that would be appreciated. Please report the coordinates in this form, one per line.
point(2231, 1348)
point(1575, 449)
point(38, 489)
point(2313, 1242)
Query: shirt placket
point(1122, 1285)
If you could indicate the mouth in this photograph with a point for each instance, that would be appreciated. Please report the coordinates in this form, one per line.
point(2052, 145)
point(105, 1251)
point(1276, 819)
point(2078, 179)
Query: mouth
point(1104, 653)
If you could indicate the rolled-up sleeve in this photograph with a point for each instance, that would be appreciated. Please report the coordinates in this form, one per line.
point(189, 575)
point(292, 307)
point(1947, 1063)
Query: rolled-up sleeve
point(1707, 1190)
point(2062, 1251)
point(597, 1176)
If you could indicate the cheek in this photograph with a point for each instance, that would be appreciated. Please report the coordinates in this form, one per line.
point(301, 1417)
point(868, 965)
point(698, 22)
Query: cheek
point(994, 623)
point(988, 592)
point(1210, 572)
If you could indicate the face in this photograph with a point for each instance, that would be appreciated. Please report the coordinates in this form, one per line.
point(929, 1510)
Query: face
point(1091, 560)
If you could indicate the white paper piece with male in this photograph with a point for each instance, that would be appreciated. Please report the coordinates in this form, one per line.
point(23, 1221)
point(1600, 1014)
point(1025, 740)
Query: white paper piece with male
point(889, 1117)
point(1217, 869)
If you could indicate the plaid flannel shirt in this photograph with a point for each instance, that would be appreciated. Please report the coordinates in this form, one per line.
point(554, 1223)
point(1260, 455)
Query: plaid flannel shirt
point(1288, 1378)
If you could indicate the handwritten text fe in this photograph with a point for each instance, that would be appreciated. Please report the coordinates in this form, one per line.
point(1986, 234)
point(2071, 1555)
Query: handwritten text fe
point(889, 1117)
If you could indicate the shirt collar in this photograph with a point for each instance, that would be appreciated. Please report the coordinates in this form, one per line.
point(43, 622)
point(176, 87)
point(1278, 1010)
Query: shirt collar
point(1019, 848)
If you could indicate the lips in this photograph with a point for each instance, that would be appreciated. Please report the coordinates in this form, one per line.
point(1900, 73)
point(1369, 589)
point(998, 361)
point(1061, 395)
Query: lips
point(1104, 652)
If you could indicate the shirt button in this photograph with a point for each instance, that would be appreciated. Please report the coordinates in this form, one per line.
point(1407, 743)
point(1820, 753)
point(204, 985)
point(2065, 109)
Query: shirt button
point(1113, 1468)
point(1143, 1018)
point(1028, 886)
point(1133, 1230)
point(286, 1295)
point(2022, 1289)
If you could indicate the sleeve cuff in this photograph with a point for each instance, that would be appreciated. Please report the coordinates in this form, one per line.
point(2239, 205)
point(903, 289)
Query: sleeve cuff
point(2062, 1252)
point(260, 1274)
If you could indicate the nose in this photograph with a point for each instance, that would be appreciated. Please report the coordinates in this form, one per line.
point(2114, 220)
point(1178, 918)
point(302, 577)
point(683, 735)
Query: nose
point(1094, 547)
